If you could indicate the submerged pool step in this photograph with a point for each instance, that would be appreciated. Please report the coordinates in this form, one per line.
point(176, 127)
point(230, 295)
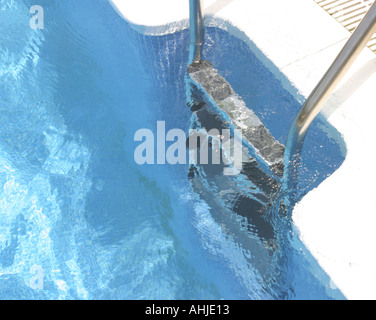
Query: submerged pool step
point(237, 203)
point(254, 132)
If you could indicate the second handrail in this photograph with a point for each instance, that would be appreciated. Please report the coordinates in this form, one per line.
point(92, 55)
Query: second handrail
point(326, 87)
point(196, 22)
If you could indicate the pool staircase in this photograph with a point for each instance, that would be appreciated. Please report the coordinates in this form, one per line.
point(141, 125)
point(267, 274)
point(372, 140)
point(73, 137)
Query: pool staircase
point(244, 197)
point(237, 202)
point(215, 105)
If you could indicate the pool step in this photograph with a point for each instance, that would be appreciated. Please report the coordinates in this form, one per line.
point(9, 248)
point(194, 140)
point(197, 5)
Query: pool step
point(349, 13)
point(238, 203)
point(254, 132)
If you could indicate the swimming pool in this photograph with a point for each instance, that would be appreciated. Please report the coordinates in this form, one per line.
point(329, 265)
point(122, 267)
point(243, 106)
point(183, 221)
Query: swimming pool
point(79, 218)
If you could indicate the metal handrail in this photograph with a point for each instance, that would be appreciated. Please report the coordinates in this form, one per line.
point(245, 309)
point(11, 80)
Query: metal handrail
point(326, 87)
point(196, 22)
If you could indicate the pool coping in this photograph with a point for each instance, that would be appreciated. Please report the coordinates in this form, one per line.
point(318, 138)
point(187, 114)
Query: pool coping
point(335, 220)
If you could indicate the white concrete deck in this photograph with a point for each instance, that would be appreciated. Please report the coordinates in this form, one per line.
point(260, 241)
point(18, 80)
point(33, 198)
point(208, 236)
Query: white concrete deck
point(337, 220)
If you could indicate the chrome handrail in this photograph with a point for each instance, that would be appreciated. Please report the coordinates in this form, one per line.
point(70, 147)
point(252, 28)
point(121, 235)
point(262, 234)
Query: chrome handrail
point(325, 88)
point(196, 22)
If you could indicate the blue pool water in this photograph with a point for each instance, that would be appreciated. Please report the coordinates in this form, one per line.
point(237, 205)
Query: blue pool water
point(79, 219)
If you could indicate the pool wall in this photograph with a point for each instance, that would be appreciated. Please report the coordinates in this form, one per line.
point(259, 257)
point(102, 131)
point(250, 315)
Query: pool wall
point(297, 40)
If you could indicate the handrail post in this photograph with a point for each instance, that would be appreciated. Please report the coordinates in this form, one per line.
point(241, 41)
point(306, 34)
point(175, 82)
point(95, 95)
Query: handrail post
point(323, 90)
point(196, 22)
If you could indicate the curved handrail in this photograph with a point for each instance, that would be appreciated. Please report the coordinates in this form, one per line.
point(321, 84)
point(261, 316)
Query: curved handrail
point(324, 89)
point(196, 22)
